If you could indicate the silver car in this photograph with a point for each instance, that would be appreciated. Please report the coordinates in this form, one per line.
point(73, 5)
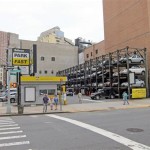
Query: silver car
point(4, 97)
point(135, 69)
point(138, 83)
point(132, 59)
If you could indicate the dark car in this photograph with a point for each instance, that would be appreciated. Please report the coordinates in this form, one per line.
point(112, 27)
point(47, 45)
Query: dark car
point(69, 92)
point(108, 93)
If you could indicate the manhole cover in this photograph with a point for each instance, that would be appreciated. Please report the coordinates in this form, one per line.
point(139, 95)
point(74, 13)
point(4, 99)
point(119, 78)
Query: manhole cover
point(135, 130)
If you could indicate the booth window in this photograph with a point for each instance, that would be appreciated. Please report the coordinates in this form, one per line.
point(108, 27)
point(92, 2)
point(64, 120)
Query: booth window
point(47, 91)
point(45, 71)
point(43, 92)
point(51, 91)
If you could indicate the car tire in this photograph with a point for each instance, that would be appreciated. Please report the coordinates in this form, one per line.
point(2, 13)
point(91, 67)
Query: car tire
point(112, 96)
point(142, 62)
point(143, 73)
point(97, 97)
point(130, 61)
point(12, 100)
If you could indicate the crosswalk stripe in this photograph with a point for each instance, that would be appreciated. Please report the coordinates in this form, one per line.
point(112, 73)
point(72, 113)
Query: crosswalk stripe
point(5, 118)
point(116, 137)
point(14, 143)
point(6, 121)
point(11, 132)
point(1, 129)
point(8, 125)
point(12, 137)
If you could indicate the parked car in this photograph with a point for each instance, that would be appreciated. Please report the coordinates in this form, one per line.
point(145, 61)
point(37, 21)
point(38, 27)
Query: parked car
point(138, 83)
point(4, 97)
point(69, 92)
point(135, 69)
point(132, 59)
point(104, 93)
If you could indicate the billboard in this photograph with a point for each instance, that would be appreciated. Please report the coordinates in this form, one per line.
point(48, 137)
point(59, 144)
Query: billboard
point(21, 58)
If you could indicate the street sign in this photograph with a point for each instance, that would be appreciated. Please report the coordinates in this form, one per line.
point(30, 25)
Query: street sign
point(15, 71)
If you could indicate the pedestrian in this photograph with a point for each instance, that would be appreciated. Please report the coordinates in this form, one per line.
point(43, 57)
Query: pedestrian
point(51, 103)
point(125, 98)
point(45, 102)
point(55, 101)
point(80, 97)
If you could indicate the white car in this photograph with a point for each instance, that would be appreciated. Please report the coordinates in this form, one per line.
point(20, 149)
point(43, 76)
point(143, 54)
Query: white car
point(132, 59)
point(4, 97)
point(138, 83)
point(135, 69)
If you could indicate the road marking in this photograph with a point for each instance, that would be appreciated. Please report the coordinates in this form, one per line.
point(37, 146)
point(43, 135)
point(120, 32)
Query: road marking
point(14, 143)
point(12, 137)
point(92, 100)
point(6, 119)
point(120, 139)
point(8, 125)
point(11, 132)
point(34, 116)
point(14, 128)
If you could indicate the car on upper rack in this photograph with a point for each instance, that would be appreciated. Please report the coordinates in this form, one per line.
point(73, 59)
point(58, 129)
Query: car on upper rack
point(135, 69)
point(132, 59)
point(138, 83)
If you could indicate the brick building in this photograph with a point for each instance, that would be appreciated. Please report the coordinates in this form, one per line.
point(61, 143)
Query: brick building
point(126, 23)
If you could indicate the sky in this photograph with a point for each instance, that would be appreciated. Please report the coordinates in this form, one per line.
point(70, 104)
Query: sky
point(76, 18)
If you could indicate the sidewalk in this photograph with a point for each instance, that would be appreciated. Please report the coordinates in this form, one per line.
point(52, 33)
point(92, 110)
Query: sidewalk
point(84, 107)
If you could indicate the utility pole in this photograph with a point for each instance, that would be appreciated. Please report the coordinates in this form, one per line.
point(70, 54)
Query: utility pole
point(8, 110)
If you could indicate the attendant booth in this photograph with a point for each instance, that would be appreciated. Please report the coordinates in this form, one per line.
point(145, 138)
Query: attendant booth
point(33, 88)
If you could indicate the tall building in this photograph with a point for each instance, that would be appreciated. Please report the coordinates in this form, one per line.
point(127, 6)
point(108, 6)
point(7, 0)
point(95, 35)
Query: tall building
point(7, 40)
point(126, 23)
point(52, 57)
point(54, 35)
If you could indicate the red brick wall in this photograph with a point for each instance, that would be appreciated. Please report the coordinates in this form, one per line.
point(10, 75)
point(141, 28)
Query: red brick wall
point(126, 23)
point(100, 47)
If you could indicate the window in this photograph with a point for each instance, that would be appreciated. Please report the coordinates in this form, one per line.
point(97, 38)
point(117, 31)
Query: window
point(47, 91)
point(52, 58)
point(40, 72)
point(45, 71)
point(51, 92)
point(42, 58)
point(96, 51)
point(91, 53)
point(43, 92)
point(87, 55)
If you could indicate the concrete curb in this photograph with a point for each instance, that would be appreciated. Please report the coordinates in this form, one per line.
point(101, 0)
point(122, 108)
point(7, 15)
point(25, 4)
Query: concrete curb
point(76, 111)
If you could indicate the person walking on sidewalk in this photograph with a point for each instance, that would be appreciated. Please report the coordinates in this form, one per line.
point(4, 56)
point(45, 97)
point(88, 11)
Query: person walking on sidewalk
point(125, 98)
point(80, 97)
point(55, 101)
point(45, 103)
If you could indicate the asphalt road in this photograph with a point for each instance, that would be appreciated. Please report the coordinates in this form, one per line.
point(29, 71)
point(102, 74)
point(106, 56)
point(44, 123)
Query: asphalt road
point(78, 131)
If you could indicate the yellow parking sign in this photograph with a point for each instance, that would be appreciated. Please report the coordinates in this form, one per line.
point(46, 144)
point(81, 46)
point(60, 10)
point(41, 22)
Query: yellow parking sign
point(139, 93)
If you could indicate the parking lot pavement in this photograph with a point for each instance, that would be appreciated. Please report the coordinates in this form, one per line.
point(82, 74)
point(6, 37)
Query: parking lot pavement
point(75, 106)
